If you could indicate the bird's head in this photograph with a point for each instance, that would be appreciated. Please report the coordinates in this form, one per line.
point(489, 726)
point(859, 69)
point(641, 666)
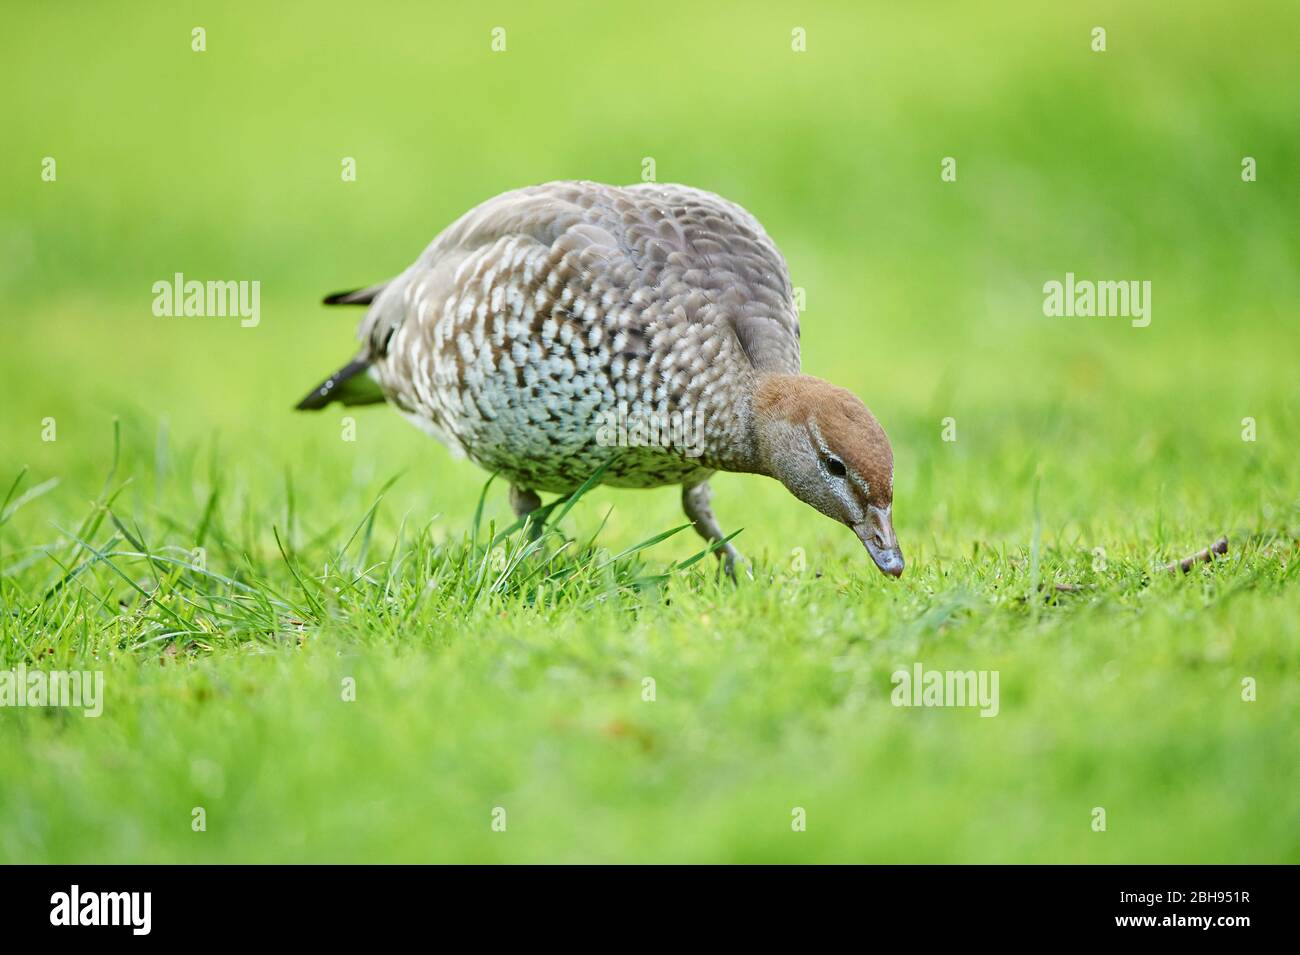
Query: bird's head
point(823, 444)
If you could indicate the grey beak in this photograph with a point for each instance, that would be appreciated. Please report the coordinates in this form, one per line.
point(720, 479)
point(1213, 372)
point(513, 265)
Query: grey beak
point(877, 535)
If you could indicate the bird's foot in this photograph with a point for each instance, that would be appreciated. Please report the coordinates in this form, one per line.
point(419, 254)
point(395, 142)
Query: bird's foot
point(730, 558)
point(534, 527)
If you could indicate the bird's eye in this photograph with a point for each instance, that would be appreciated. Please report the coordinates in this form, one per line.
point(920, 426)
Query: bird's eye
point(835, 466)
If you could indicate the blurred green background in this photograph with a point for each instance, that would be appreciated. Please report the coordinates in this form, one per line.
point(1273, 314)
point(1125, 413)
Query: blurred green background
point(924, 297)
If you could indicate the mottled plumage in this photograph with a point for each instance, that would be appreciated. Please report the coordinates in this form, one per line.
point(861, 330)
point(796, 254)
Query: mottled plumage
point(539, 331)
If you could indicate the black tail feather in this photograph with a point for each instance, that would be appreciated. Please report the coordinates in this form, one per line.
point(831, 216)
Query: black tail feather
point(350, 385)
point(356, 296)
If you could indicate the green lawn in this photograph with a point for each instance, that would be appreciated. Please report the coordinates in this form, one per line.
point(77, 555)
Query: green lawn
point(239, 571)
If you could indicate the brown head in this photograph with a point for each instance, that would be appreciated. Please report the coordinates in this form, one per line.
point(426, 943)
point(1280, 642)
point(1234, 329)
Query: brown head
point(823, 444)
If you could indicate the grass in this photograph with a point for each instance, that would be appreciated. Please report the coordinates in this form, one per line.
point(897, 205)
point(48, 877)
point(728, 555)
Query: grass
point(344, 650)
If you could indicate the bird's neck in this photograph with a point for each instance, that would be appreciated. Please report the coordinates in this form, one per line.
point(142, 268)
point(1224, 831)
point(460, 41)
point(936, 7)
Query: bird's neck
point(774, 400)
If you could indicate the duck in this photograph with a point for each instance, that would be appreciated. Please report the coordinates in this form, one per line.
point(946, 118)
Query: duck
point(545, 314)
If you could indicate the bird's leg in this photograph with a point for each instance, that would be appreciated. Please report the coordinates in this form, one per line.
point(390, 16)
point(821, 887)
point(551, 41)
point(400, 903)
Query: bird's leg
point(524, 503)
point(695, 502)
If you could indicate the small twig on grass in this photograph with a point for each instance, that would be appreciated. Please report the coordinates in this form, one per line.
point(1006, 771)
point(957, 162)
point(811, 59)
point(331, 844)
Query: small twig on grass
point(1200, 557)
point(1051, 590)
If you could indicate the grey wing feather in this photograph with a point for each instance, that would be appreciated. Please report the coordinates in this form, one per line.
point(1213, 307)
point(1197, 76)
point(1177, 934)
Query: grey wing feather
point(721, 248)
point(683, 263)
